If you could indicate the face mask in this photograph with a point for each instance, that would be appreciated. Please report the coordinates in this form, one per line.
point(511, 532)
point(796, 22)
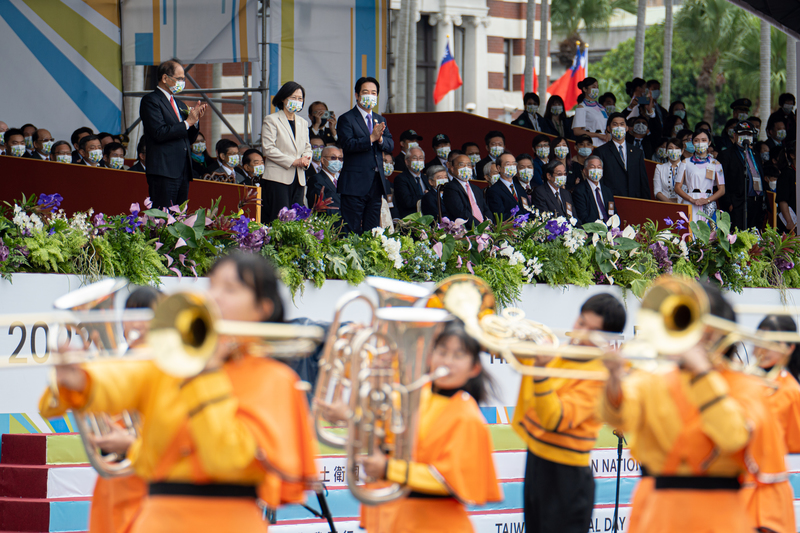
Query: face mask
point(334, 166)
point(543, 151)
point(611, 109)
point(417, 166)
point(233, 160)
point(788, 108)
point(64, 158)
point(772, 184)
point(388, 168)
point(681, 113)
point(510, 171)
point(199, 148)
point(618, 132)
point(18, 150)
point(258, 170)
point(673, 154)
point(561, 180)
point(368, 101)
point(689, 147)
point(116, 162)
point(730, 133)
point(594, 92)
point(525, 175)
point(441, 182)
point(561, 151)
point(294, 106)
point(29, 142)
point(584, 151)
point(678, 128)
point(494, 178)
point(474, 158)
point(178, 87)
point(95, 156)
point(532, 108)
point(443, 152)
point(661, 153)
point(47, 146)
point(557, 109)
point(640, 128)
point(497, 151)
point(655, 93)
point(742, 117)
point(464, 173)
point(745, 139)
point(765, 156)
point(595, 174)
point(316, 153)
point(701, 148)
point(780, 135)
point(412, 145)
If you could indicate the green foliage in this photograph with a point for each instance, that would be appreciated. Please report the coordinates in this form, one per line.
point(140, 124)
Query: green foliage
point(567, 16)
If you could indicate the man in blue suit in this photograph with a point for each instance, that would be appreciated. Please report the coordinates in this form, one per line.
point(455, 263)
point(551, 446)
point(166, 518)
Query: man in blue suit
point(364, 137)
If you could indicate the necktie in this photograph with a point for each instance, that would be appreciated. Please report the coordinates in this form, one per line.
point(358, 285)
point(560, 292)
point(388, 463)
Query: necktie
point(514, 192)
point(476, 213)
point(369, 122)
point(638, 143)
point(622, 155)
point(421, 185)
point(175, 107)
point(558, 200)
point(600, 204)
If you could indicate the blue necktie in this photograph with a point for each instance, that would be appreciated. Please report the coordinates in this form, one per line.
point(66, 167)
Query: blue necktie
point(622, 155)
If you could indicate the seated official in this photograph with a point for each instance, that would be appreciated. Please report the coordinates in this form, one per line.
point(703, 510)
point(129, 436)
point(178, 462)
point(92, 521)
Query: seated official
point(593, 200)
point(317, 144)
point(542, 153)
point(224, 167)
point(27, 131)
point(463, 199)
point(552, 197)
point(201, 159)
point(141, 152)
point(491, 173)
point(507, 193)
point(411, 185)
point(323, 184)
point(388, 170)
point(530, 118)
point(441, 148)
point(473, 151)
point(251, 169)
point(105, 138)
point(431, 203)
point(495, 145)
point(15, 142)
point(408, 139)
point(42, 145)
point(114, 156)
point(75, 139)
point(91, 151)
point(61, 152)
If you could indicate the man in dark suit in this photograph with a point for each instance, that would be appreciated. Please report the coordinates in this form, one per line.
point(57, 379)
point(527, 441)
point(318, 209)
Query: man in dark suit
point(170, 128)
point(251, 169)
point(744, 198)
point(408, 139)
point(441, 151)
point(623, 164)
point(324, 182)
point(641, 137)
point(410, 186)
point(364, 137)
point(507, 193)
point(495, 145)
point(431, 202)
point(776, 134)
point(593, 200)
point(141, 151)
point(463, 199)
point(530, 117)
point(42, 144)
point(91, 152)
point(552, 197)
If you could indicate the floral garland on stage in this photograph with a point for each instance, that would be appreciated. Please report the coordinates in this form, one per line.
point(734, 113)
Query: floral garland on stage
point(37, 236)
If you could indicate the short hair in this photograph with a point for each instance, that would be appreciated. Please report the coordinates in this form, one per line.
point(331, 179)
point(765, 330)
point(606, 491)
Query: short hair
point(80, 131)
point(606, 96)
point(487, 168)
point(110, 147)
point(583, 139)
point(248, 153)
point(531, 96)
point(59, 143)
point(140, 146)
point(505, 153)
point(539, 139)
point(35, 135)
point(286, 90)
point(12, 131)
point(774, 119)
point(223, 145)
point(368, 79)
point(522, 157)
point(552, 165)
point(311, 107)
point(609, 308)
point(167, 67)
point(103, 134)
point(753, 118)
point(652, 82)
point(593, 157)
point(454, 153)
point(492, 134)
point(467, 145)
point(315, 136)
point(28, 125)
point(89, 138)
point(433, 170)
point(786, 97)
point(612, 116)
point(143, 298)
point(408, 154)
point(336, 147)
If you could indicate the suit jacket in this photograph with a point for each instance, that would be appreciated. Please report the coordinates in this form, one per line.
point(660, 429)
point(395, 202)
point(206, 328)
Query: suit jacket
point(500, 201)
point(538, 172)
point(456, 201)
point(550, 127)
point(34, 155)
point(545, 200)
point(167, 139)
point(101, 164)
point(525, 121)
point(362, 158)
point(735, 178)
point(479, 168)
point(434, 162)
point(76, 157)
point(430, 205)
point(400, 162)
point(407, 193)
point(586, 204)
point(773, 146)
point(281, 148)
point(315, 186)
point(631, 182)
point(137, 167)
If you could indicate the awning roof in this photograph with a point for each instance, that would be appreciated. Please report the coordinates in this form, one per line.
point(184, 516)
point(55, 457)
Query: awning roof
point(783, 14)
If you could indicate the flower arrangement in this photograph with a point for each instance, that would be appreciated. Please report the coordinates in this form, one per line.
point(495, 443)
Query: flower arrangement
point(36, 235)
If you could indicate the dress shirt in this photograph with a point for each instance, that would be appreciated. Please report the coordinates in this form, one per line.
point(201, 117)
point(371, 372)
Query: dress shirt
point(171, 97)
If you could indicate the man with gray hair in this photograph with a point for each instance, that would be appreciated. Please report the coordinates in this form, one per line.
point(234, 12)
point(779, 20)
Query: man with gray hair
point(323, 184)
point(593, 200)
point(411, 185)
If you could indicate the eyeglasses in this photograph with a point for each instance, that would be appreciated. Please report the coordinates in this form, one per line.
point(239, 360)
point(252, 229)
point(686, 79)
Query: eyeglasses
point(335, 158)
point(177, 79)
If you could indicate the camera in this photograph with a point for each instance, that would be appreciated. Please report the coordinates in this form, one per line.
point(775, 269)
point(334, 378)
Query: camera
point(326, 115)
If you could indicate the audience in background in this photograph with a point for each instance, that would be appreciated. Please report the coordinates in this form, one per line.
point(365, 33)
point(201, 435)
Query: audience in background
point(508, 193)
point(42, 145)
point(530, 117)
point(114, 156)
point(323, 183)
point(223, 167)
point(495, 145)
point(410, 186)
point(141, 152)
point(431, 202)
point(61, 152)
point(441, 150)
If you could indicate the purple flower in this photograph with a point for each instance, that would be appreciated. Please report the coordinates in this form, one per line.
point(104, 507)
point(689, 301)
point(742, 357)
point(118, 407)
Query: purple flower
point(521, 219)
point(555, 229)
point(661, 255)
point(253, 242)
point(320, 235)
point(681, 225)
point(287, 215)
point(52, 231)
point(783, 264)
point(514, 211)
point(301, 212)
point(241, 226)
point(456, 228)
point(50, 201)
point(3, 251)
point(668, 221)
point(616, 232)
point(132, 220)
point(23, 251)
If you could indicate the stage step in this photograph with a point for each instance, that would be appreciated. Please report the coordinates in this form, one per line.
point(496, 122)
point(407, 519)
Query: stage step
point(52, 516)
point(42, 449)
point(55, 482)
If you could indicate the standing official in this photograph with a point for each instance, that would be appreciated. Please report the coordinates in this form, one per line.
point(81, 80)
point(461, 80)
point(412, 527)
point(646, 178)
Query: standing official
point(363, 136)
point(170, 128)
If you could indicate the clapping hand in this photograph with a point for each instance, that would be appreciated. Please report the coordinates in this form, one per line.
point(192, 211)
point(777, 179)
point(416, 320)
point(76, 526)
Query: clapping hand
point(196, 113)
point(377, 132)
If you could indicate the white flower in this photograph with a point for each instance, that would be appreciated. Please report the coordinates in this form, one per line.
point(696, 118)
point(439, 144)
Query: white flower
point(377, 231)
point(532, 268)
point(684, 250)
point(595, 239)
point(629, 232)
point(573, 221)
point(665, 235)
point(392, 249)
point(675, 240)
point(561, 221)
point(610, 238)
point(613, 222)
point(610, 279)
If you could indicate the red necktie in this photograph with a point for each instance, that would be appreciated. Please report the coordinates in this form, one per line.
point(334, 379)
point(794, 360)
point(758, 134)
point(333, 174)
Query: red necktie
point(175, 107)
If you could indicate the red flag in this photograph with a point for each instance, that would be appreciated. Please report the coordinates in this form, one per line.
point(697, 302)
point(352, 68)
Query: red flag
point(567, 85)
point(449, 78)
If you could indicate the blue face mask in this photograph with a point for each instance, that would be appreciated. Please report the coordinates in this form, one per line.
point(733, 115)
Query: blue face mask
point(690, 147)
point(334, 166)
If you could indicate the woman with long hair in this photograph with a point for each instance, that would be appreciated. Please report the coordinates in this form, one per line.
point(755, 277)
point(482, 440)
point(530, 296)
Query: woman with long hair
point(556, 121)
point(591, 118)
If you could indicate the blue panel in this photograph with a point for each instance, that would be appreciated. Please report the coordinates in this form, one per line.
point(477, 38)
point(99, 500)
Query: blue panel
point(490, 414)
point(5, 423)
point(59, 425)
point(510, 411)
point(274, 68)
point(104, 114)
point(69, 516)
point(24, 422)
point(365, 37)
point(233, 29)
point(143, 48)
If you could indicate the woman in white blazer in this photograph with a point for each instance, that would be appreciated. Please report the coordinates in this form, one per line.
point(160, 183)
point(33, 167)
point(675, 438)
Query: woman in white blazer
point(287, 152)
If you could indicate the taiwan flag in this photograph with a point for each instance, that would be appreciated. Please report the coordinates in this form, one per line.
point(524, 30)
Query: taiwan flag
point(567, 85)
point(449, 78)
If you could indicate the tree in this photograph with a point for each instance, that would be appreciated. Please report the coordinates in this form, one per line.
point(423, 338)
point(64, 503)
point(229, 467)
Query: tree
point(568, 16)
point(529, 45)
point(765, 71)
point(666, 82)
point(638, 51)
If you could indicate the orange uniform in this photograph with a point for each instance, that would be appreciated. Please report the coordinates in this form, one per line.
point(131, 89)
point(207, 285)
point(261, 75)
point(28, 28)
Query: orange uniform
point(453, 467)
point(116, 503)
point(784, 401)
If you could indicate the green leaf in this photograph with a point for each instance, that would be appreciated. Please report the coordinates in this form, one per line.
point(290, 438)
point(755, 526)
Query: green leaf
point(639, 286)
point(448, 246)
point(199, 226)
point(626, 244)
point(156, 213)
point(701, 231)
point(595, 227)
point(723, 222)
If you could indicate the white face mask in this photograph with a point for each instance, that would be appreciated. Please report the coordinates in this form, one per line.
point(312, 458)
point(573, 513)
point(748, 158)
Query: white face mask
point(556, 109)
point(510, 171)
point(178, 87)
point(497, 151)
point(611, 109)
point(788, 108)
point(561, 151)
point(443, 152)
point(532, 108)
point(64, 158)
point(95, 156)
point(585, 151)
point(199, 148)
point(417, 166)
point(525, 175)
point(412, 145)
point(368, 101)
point(640, 128)
point(116, 162)
point(673, 154)
point(618, 132)
point(441, 182)
point(561, 180)
point(701, 148)
point(543, 152)
point(474, 158)
point(464, 173)
point(594, 92)
point(47, 146)
point(294, 106)
point(233, 160)
point(29, 142)
point(18, 150)
point(742, 117)
point(780, 135)
point(316, 153)
point(772, 184)
point(388, 168)
point(595, 174)
point(258, 170)
point(745, 139)
point(494, 178)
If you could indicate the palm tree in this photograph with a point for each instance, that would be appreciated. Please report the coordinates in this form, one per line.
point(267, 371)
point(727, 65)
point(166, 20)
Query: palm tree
point(529, 45)
point(544, 48)
point(567, 16)
point(401, 66)
point(791, 65)
point(765, 77)
point(638, 49)
point(712, 26)
point(666, 82)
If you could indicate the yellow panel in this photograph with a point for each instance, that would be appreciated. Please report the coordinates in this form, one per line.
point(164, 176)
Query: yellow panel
point(108, 8)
